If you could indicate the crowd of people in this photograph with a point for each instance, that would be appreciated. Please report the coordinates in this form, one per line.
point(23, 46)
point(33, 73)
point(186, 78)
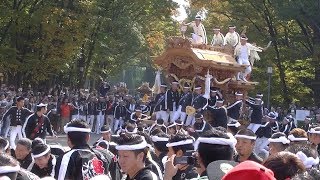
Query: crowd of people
point(154, 138)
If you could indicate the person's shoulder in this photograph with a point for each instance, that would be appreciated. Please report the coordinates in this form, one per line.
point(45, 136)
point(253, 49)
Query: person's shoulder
point(26, 175)
point(146, 174)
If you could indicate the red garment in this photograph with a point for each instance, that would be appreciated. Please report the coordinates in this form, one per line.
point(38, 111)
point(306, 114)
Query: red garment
point(65, 110)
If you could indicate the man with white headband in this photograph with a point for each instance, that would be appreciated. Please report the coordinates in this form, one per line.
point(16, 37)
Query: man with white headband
point(232, 38)
point(132, 152)
point(314, 136)
point(234, 110)
point(246, 140)
point(242, 54)
point(256, 115)
point(180, 145)
point(218, 38)
point(199, 35)
point(199, 103)
point(287, 124)
point(219, 114)
point(82, 162)
point(185, 100)
point(38, 124)
point(161, 106)
point(173, 96)
point(278, 142)
point(45, 162)
point(9, 167)
point(200, 126)
point(214, 95)
point(119, 116)
point(105, 135)
point(214, 146)
point(160, 141)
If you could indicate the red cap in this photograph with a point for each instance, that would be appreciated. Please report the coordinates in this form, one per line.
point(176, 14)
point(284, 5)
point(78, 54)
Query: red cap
point(249, 170)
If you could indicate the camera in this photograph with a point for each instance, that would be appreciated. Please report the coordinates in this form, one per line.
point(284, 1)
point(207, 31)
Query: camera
point(189, 158)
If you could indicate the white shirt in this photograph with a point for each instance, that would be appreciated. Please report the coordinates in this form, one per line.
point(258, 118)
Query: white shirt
point(232, 38)
point(217, 40)
point(200, 31)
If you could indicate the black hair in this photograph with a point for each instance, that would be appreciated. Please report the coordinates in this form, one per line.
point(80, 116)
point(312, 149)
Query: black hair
point(78, 138)
point(132, 139)
point(6, 160)
point(36, 141)
point(19, 99)
point(213, 152)
point(39, 148)
point(280, 145)
point(161, 145)
point(105, 128)
point(181, 137)
point(130, 127)
point(156, 130)
point(305, 148)
point(247, 132)
point(3, 144)
point(284, 165)
point(146, 137)
point(160, 121)
point(25, 142)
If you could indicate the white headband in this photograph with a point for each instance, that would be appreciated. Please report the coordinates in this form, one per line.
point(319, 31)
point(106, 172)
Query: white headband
point(307, 161)
point(196, 88)
point(238, 94)
point(245, 137)
point(9, 169)
point(179, 143)
point(292, 138)
point(220, 101)
point(281, 139)
point(76, 129)
point(105, 131)
point(159, 139)
point(313, 131)
point(213, 140)
point(237, 124)
point(174, 124)
point(41, 154)
point(135, 130)
point(132, 147)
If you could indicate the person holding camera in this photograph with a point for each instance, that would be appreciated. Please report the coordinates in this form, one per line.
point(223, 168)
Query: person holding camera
point(180, 146)
point(214, 146)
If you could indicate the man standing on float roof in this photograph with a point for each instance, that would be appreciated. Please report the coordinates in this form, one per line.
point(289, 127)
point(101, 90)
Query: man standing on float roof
point(232, 37)
point(242, 54)
point(199, 35)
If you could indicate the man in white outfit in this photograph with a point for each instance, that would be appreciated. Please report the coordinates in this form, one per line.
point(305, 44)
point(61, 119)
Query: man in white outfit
point(232, 37)
point(242, 53)
point(218, 38)
point(199, 35)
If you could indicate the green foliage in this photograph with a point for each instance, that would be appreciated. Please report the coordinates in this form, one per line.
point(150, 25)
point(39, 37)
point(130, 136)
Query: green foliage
point(40, 40)
point(293, 26)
